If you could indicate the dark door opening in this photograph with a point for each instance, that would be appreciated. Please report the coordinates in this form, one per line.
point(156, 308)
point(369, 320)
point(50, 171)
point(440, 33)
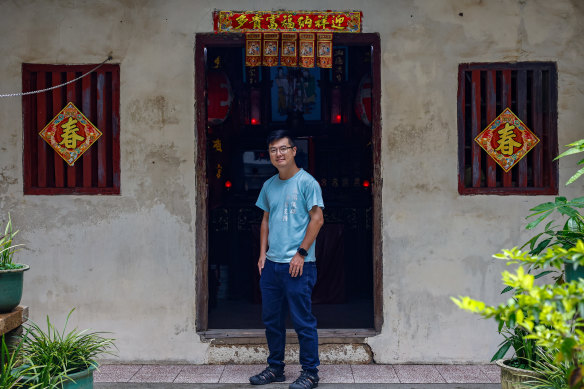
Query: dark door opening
point(329, 111)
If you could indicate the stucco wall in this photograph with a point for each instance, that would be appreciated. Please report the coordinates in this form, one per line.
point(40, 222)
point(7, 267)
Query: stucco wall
point(128, 262)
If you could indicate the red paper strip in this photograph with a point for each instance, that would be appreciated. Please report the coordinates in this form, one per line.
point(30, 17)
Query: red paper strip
point(287, 21)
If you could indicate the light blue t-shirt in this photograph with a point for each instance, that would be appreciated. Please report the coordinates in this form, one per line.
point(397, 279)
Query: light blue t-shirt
point(288, 202)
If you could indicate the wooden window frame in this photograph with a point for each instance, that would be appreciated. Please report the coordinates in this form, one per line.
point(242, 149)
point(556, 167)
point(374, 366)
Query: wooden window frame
point(97, 171)
point(484, 90)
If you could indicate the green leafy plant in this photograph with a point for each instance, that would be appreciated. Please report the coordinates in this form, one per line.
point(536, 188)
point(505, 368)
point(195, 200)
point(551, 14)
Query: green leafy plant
point(552, 374)
point(53, 355)
point(524, 348)
point(572, 221)
point(576, 147)
point(11, 369)
point(550, 313)
point(572, 228)
point(7, 248)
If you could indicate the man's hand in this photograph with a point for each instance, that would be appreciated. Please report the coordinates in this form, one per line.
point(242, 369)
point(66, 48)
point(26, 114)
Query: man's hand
point(296, 265)
point(261, 263)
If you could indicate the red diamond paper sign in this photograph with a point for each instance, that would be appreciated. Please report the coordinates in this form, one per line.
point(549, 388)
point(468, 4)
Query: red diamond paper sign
point(70, 134)
point(507, 139)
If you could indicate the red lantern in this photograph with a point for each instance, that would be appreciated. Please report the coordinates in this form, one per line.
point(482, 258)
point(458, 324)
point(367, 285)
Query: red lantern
point(219, 97)
point(363, 100)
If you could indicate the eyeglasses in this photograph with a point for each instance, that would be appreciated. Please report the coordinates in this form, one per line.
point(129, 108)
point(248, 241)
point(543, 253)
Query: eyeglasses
point(283, 149)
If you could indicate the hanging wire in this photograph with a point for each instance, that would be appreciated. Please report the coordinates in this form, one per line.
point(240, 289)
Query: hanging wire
point(109, 58)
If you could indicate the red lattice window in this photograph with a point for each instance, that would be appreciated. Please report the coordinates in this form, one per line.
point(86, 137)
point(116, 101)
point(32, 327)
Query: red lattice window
point(97, 95)
point(484, 91)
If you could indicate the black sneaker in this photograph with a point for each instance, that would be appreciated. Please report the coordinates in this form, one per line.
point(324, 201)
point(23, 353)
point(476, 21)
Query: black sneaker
point(305, 381)
point(267, 376)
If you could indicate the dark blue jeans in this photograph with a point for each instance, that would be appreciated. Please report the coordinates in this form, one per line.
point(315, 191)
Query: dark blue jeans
point(282, 292)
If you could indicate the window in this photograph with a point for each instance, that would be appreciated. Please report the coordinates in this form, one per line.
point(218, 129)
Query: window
point(529, 89)
point(97, 96)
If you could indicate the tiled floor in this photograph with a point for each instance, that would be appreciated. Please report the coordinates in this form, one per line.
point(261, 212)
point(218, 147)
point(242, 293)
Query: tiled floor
point(340, 374)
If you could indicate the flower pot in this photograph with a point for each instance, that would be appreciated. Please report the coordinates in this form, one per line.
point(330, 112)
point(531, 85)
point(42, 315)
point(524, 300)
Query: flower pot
point(512, 377)
point(80, 380)
point(11, 281)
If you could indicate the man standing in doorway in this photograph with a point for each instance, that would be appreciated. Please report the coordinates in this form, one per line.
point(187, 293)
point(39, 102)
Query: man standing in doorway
point(292, 204)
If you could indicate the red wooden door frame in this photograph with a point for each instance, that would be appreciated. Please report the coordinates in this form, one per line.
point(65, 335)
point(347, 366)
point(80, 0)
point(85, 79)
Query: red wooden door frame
point(204, 40)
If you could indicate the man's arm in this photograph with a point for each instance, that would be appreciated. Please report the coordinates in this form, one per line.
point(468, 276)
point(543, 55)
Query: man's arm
point(264, 230)
point(316, 221)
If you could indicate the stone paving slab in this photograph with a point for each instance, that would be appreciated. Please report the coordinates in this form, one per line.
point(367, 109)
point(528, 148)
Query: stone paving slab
point(418, 374)
point(338, 374)
point(285, 386)
point(329, 374)
point(466, 374)
point(115, 373)
point(374, 374)
point(493, 372)
point(157, 373)
point(205, 374)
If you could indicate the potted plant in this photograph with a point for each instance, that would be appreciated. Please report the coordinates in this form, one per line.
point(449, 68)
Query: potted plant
point(551, 314)
point(521, 366)
point(11, 274)
point(64, 360)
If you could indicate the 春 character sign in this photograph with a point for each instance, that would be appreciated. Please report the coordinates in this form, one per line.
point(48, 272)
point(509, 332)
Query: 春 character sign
point(70, 134)
point(507, 139)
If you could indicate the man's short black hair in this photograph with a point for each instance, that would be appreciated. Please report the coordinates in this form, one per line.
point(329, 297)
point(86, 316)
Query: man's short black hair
point(279, 134)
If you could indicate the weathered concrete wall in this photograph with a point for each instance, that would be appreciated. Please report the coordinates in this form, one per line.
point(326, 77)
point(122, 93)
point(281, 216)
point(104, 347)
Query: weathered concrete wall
point(128, 262)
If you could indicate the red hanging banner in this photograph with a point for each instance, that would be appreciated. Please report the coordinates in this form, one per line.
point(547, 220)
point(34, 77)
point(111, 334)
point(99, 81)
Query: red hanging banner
point(287, 21)
point(324, 50)
point(289, 49)
point(271, 48)
point(306, 50)
point(253, 49)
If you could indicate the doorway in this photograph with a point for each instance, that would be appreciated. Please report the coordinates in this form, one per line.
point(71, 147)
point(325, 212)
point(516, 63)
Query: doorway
point(337, 126)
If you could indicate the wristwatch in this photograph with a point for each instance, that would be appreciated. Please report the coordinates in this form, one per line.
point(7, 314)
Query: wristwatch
point(302, 252)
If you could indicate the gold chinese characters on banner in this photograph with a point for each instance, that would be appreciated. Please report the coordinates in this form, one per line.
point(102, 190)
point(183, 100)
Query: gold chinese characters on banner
point(287, 21)
point(70, 134)
point(288, 38)
point(507, 139)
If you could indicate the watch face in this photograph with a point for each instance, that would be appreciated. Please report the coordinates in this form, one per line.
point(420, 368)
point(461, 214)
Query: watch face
point(302, 252)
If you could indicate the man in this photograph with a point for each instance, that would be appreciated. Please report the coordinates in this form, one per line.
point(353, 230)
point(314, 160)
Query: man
point(292, 204)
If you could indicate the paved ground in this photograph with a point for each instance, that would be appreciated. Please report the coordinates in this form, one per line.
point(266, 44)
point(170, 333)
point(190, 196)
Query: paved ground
point(331, 376)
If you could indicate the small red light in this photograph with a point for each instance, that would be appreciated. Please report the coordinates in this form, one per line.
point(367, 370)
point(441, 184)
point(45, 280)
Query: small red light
point(254, 121)
point(228, 184)
point(338, 118)
point(366, 184)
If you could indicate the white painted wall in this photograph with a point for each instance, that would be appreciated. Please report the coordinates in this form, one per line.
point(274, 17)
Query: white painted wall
point(128, 262)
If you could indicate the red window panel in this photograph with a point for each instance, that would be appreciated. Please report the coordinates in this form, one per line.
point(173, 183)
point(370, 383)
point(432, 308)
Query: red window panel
point(529, 89)
point(98, 96)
